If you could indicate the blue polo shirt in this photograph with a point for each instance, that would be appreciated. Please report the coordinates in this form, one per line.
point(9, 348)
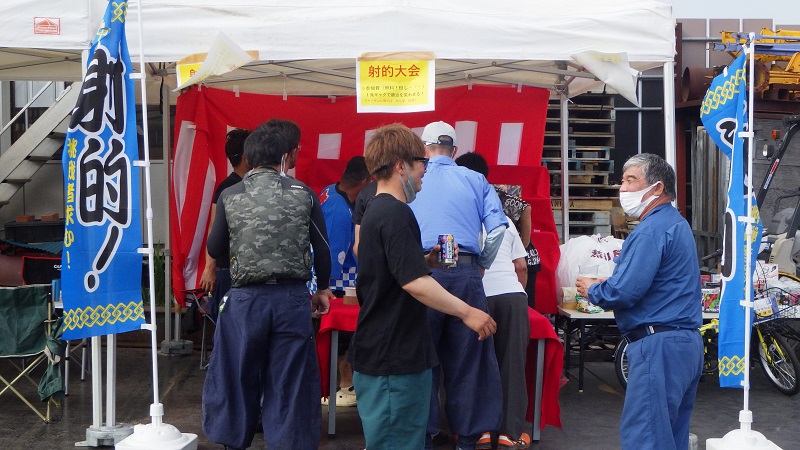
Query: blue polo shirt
point(657, 277)
point(455, 200)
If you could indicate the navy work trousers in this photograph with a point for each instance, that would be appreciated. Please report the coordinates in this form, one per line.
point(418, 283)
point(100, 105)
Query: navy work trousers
point(663, 372)
point(264, 360)
point(474, 401)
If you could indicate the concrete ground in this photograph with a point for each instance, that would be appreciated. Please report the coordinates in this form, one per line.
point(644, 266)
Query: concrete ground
point(590, 419)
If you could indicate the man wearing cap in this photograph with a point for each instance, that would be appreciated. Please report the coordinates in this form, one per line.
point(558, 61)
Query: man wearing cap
point(458, 201)
point(216, 278)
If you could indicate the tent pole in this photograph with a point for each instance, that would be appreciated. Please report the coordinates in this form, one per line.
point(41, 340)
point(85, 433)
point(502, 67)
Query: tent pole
point(669, 114)
point(167, 155)
point(564, 168)
point(111, 380)
point(97, 382)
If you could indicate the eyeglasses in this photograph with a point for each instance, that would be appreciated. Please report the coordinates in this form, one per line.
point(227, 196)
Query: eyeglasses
point(424, 162)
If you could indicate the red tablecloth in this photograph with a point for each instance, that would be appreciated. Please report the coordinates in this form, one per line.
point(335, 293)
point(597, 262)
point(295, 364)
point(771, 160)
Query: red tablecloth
point(547, 245)
point(344, 318)
point(541, 328)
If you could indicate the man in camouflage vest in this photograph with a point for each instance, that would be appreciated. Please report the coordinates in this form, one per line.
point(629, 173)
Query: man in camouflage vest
point(264, 358)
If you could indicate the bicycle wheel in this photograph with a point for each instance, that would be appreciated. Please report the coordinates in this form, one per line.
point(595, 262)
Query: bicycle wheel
point(621, 362)
point(710, 355)
point(778, 361)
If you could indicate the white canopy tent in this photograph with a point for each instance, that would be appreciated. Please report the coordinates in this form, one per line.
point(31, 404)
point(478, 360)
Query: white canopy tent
point(309, 47)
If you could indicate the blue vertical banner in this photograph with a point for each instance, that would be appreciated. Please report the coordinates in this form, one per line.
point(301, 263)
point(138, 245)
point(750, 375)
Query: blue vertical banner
point(724, 114)
point(101, 271)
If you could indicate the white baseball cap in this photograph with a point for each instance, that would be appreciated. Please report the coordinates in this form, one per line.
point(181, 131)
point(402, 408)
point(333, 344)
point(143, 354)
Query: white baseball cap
point(439, 133)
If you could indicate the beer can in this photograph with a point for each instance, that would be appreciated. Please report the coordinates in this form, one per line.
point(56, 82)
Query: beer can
point(447, 255)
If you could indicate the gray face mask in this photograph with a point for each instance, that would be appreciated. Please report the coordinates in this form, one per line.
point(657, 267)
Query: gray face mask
point(408, 185)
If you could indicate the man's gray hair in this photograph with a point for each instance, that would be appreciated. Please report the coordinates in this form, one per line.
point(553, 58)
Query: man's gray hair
point(655, 169)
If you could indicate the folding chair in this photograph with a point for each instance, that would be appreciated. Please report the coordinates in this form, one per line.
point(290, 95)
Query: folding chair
point(70, 355)
point(72, 347)
point(203, 300)
point(25, 325)
point(198, 308)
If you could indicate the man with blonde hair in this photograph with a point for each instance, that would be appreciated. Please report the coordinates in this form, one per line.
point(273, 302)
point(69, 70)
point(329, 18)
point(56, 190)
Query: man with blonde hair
point(392, 351)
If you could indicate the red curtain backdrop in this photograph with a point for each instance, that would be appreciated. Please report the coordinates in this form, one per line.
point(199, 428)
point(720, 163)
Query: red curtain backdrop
point(504, 124)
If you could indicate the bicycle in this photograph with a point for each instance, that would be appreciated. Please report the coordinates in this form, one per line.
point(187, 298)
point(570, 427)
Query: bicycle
point(771, 328)
point(709, 333)
point(778, 359)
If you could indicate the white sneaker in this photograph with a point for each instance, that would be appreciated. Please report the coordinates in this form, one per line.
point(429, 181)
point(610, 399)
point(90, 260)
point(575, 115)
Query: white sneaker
point(346, 397)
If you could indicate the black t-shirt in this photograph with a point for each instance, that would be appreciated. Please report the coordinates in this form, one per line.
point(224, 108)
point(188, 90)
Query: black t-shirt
point(232, 179)
point(392, 336)
point(223, 262)
point(362, 201)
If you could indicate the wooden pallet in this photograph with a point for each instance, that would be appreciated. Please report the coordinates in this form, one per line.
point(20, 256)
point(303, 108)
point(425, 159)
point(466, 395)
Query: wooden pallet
point(580, 178)
point(580, 164)
point(580, 120)
point(578, 152)
point(580, 139)
point(591, 190)
point(584, 217)
point(595, 204)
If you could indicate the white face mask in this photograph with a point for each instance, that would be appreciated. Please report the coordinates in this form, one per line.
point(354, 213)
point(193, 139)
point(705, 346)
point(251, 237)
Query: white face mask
point(632, 203)
point(408, 185)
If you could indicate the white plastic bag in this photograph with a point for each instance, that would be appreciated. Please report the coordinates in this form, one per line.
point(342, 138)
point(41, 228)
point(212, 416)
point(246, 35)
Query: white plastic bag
point(582, 250)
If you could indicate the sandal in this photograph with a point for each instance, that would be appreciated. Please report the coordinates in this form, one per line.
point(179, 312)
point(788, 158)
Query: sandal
point(524, 441)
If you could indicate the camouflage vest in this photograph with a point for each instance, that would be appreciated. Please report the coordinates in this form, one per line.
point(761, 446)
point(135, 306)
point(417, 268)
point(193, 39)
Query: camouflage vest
point(268, 227)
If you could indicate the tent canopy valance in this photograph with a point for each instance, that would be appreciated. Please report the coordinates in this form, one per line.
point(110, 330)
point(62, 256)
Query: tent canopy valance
point(308, 47)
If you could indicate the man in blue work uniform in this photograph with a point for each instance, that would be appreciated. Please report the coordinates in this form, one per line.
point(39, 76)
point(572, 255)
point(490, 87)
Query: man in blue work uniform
point(264, 348)
point(654, 293)
point(458, 201)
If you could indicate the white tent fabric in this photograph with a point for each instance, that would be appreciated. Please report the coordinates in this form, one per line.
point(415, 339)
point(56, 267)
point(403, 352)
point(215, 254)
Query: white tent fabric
point(309, 46)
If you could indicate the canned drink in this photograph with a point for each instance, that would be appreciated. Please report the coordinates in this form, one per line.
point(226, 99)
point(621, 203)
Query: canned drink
point(447, 255)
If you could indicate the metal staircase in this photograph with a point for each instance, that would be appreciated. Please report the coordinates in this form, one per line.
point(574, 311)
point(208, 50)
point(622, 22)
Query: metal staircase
point(38, 145)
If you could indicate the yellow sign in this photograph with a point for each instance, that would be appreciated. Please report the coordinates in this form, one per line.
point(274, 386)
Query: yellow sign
point(223, 57)
point(186, 71)
point(391, 82)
